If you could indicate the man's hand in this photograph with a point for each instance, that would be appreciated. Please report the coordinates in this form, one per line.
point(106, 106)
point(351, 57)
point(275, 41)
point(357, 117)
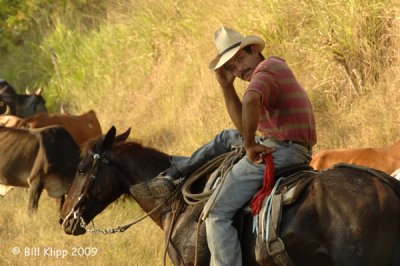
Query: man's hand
point(224, 77)
point(256, 152)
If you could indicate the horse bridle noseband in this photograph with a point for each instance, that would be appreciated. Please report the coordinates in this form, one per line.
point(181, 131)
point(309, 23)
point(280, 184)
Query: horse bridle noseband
point(76, 209)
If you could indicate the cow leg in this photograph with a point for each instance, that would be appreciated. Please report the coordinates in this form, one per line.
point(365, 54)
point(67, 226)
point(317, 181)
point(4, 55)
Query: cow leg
point(35, 190)
point(60, 201)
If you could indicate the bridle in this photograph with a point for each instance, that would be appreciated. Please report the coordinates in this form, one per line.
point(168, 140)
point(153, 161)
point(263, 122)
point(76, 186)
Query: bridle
point(76, 211)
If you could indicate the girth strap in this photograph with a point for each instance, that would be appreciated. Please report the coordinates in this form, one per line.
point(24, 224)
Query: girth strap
point(285, 192)
point(275, 246)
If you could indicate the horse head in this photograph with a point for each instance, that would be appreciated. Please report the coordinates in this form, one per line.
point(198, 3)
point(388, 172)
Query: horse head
point(108, 167)
point(93, 187)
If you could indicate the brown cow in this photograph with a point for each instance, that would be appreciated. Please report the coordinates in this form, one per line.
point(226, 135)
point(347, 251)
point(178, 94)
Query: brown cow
point(44, 158)
point(10, 121)
point(81, 127)
point(384, 159)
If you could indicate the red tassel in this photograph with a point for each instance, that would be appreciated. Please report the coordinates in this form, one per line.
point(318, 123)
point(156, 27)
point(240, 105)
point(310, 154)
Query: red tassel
point(267, 187)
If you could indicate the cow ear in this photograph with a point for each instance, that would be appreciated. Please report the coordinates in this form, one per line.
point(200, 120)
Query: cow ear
point(109, 138)
point(123, 136)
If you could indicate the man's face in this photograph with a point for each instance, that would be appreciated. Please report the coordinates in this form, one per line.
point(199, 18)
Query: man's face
point(243, 64)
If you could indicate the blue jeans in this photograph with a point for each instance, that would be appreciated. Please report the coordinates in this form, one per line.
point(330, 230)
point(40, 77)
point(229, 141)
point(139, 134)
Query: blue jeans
point(220, 144)
point(240, 185)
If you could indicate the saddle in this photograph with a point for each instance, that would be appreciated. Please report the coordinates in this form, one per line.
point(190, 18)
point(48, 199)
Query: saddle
point(291, 175)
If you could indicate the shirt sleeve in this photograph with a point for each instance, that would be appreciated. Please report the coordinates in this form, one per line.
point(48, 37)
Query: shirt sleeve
point(264, 82)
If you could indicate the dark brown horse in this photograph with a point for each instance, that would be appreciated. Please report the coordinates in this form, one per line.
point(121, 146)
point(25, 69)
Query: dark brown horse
point(344, 217)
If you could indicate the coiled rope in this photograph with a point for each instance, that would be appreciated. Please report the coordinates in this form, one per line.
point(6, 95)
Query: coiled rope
point(224, 161)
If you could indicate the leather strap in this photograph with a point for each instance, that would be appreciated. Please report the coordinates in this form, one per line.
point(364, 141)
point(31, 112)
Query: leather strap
point(275, 246)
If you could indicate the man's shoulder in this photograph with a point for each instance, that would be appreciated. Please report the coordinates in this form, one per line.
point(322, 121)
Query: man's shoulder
point(275, 61)
point(272, 64)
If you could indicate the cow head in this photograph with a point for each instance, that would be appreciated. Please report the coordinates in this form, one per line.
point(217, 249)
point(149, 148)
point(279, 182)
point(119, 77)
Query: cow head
point(32, 103)
point(21, 105)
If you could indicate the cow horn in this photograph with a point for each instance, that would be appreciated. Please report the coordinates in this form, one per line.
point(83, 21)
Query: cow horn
point(28, 92)
point(62, 111)
point(8, 110)
point(39, 91)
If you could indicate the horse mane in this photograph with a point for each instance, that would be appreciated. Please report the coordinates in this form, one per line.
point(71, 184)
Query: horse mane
point(122, 147)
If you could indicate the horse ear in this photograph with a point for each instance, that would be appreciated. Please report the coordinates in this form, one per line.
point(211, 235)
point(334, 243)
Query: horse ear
point(123, 136)
point(28, 92)
point(109, 138)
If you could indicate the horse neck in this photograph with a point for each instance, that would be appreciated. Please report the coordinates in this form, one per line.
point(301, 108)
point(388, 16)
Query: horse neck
point(143, 164)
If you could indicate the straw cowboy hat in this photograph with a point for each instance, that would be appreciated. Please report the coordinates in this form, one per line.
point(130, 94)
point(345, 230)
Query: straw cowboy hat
point(228, 42)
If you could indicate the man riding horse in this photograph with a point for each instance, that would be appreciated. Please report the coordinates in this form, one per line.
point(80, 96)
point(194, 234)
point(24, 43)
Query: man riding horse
point(275, 104)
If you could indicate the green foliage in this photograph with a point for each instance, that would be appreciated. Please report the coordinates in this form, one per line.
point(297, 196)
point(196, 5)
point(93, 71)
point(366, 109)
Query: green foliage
point(24, 27)
point(13, 22)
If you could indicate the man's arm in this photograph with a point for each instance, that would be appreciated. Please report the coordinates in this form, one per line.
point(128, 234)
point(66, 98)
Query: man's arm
point(232, 101)
point(250, 118)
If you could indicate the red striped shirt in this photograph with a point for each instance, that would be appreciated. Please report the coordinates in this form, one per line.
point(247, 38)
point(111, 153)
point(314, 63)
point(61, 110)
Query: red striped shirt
point(287, 113)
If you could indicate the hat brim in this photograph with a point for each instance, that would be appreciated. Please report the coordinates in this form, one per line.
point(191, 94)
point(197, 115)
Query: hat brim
point(219, 61)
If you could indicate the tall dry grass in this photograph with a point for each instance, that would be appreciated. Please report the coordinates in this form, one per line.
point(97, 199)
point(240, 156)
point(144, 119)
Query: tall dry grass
point(145, 66)
point(41, 240)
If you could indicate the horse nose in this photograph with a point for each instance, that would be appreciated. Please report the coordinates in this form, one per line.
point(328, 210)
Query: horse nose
point(71, 226)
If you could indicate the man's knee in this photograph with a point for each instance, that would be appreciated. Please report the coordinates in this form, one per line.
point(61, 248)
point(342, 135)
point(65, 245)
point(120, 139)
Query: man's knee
point(230, 136)
point(230, 133)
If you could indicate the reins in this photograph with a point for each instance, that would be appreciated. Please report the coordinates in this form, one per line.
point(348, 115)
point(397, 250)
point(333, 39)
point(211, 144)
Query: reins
point(119, 229)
